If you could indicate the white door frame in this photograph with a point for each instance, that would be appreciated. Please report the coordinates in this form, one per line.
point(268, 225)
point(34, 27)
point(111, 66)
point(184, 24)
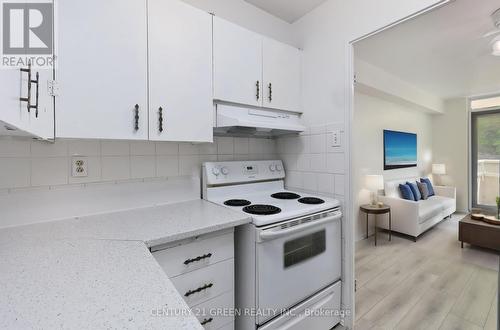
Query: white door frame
point(349, 115)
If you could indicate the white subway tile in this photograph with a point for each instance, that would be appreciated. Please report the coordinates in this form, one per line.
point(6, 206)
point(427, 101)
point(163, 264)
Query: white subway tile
point(256, 146)
point(188, 149)
point(318, 162)
point(189, 165)
point(93, 171)
point(49, 171)
point(304, 162)
point(335, 163)
point(241, 146)
point(167, 148)
point(84, 147)
point(207, 149)
point(46, 149)
point(318, 144)
point(142, 167)
point(115, 148)
point(321, 129)
point(167, 166)
point(294, 180)
point(269, 146)
point(15, 172)
point(326, 183)
point(208, 158)
point(339, 185)
point(225, 158)
point(142, 148)
point(310, 181)
point(14, 147)
point(115, 168)
point(225, 145)
point(290, 161)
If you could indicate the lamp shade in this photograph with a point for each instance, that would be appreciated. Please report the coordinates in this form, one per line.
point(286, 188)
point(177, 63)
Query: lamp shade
point(439, 169)
point(374, 182)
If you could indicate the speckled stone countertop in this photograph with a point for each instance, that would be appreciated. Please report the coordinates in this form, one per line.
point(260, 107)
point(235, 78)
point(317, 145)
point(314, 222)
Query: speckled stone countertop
point(96, 272)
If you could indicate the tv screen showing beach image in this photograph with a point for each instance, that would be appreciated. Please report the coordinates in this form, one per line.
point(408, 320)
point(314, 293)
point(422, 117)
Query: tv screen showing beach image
point(400, 150)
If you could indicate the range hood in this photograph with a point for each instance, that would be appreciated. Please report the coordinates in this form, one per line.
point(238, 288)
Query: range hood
point(243, 121)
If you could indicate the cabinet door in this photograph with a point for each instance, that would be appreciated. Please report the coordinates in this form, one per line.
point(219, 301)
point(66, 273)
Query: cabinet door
point(43, 124)
point(282, 66)
point(102, 69)
point(180, 72)
point(13, 114)
point(237, 64)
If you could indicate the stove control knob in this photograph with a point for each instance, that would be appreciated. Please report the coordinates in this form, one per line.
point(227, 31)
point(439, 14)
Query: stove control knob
point(279, 168)
point(272, 168)
point(224, 170)
point(215, 171)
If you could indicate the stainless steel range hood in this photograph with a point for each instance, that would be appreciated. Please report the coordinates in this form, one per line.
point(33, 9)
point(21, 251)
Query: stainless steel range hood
point(242, 121)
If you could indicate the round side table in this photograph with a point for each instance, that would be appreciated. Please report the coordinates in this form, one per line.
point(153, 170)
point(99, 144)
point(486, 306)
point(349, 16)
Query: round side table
point(376, 210)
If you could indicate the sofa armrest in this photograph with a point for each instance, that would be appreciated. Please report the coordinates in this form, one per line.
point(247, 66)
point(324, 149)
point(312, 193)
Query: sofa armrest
point(446, 191)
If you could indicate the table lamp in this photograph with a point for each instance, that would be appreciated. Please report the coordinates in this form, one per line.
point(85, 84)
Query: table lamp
point(438, 169)
point(374, 183)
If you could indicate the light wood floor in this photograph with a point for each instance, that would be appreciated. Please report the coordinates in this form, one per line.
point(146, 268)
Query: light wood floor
point(430, 284)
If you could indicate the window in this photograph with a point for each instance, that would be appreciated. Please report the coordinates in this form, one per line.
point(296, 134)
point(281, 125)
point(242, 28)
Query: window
point(304, 248)
point(485, 147)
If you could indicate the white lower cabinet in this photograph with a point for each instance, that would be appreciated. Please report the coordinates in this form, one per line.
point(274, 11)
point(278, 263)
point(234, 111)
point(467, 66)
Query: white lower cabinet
point(202, 270)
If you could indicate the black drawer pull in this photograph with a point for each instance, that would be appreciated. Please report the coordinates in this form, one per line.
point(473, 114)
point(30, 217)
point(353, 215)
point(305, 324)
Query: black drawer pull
point(201, 288)
point(205, 321)
point(270, 92)
point(206, 256)
point(258, 90)
point(136, 117)
point(160, 119)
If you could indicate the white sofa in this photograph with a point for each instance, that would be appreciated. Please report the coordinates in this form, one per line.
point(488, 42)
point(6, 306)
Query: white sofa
point(413, 218)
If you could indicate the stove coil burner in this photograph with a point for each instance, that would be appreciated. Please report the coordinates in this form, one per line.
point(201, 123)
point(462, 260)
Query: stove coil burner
point(285, 195)
point(311, 200)
point(237, 202)
point(259, 209)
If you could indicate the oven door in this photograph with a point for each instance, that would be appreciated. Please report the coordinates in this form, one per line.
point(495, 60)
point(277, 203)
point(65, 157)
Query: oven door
point(295, 260)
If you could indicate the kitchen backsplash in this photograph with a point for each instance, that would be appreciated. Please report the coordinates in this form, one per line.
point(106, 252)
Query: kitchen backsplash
point(30, 163)
point(312, 163)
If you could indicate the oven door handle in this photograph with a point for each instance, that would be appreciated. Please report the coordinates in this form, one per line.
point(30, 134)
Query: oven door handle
point(269, 235)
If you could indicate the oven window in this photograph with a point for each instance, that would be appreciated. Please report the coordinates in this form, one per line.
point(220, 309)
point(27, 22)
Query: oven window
point(304, 248)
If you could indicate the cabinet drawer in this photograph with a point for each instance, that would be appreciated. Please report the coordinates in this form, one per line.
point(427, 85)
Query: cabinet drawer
point(210, 312)
point(206, 283)
point(200, 253)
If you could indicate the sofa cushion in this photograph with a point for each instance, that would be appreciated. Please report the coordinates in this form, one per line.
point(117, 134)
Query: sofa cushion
point(415, 191)
point(429, 208)
point(446, 202)
point(406, 192)
point(429, 185)
point(424, 191)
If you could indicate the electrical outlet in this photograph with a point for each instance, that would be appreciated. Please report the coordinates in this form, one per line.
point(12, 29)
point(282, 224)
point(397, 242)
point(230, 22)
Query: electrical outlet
point(336, 139)
point(79, 167)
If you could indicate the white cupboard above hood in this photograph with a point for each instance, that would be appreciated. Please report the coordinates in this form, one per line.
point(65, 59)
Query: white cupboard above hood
point(238, 120)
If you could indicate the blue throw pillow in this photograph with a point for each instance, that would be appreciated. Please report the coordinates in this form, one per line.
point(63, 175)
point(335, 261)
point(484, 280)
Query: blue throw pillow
point(415, 191)
point(429, 185)
point(406, 192)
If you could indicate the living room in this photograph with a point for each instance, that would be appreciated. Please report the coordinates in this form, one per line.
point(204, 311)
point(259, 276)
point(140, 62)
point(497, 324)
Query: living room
point(426, 155)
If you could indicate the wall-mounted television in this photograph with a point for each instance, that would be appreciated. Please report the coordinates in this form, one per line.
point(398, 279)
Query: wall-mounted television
point(400, 150)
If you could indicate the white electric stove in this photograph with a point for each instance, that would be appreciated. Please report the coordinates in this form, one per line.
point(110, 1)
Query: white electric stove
point(288, 260)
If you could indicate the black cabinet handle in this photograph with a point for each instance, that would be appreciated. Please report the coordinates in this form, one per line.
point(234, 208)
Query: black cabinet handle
point(29, 106)
point(160, 119)
point(201, 288)
point(205, 321)
point(205, 256)
point(258, 90)
point(37, 83)
point(136, 117)
point(270, 92)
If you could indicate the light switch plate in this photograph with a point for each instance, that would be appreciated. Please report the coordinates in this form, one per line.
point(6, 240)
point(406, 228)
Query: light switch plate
point(79, 166)
point(336, 136)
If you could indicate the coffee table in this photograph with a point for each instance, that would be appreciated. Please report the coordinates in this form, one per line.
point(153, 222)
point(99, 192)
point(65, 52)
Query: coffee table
point(479, 233)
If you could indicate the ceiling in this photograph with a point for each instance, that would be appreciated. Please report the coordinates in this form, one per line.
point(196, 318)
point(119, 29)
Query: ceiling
point(441, 52)
point(288, 10)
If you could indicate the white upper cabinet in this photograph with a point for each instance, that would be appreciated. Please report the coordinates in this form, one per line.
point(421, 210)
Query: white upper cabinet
point(102, 69)
point(281, 76)
point(237, 64)
point(180, 72)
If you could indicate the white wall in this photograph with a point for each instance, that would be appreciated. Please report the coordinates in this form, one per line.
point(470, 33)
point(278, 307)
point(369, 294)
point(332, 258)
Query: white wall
point(250, 17)
point(371, 116)
point(450, 147)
